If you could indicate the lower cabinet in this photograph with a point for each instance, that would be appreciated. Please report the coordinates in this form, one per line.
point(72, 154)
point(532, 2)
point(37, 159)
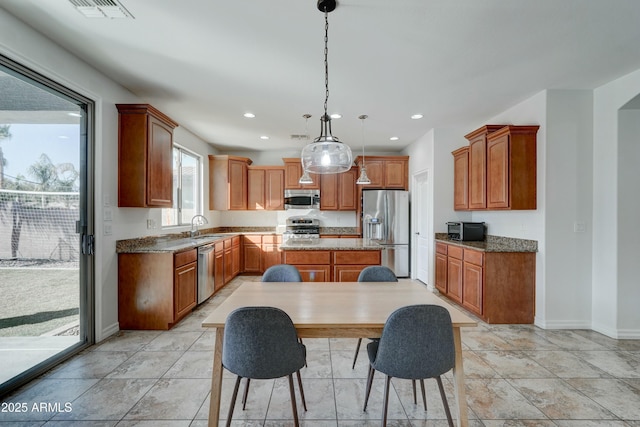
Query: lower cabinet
point(261, 251)
point(499, 287)
point(156, 290)
point(331, 266)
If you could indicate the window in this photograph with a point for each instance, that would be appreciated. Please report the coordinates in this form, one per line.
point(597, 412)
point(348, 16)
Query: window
point(187, 190)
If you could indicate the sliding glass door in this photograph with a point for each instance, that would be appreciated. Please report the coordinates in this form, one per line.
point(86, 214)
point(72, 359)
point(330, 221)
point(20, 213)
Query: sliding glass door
point(46, 242)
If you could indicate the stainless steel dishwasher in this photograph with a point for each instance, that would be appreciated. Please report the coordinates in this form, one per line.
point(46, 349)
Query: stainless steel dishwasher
point(206, 272)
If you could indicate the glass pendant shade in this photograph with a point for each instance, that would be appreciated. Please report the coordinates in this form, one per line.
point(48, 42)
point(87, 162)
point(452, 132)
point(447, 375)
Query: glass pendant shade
point(363, 178)
point(305, 178)
point(326, 154)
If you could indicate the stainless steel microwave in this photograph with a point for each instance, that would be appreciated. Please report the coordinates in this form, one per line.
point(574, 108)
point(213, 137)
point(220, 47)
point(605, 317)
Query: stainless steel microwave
point(467, 231)
point(302, 199)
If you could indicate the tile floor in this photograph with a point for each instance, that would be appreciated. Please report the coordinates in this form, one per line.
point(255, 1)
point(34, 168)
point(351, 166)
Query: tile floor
point(515, 376)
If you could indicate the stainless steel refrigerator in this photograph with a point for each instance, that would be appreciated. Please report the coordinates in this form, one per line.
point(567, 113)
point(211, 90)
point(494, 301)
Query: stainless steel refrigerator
point(385, 220)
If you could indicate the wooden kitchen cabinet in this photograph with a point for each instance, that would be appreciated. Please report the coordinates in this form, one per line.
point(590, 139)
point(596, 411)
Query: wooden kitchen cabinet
point(501, 169)
point(236, 258)
point(145, 157)
point(386, 172)
point(265, 188)
point(261, 252)
point(511, 168)
point(185, 283)
point(293, 172)
point(461, 179)
point(228, 182)
point(441, 267)
point(271, 253)
point(331, 266)
point(252, 250)
point(338, 191)
point(472, 278)
point(499, 287)
point(347, 265)
point(477, 175)
point(314, 266)
point(156, 290)
point(454, 273)
point(219, 265)
point(228, 261)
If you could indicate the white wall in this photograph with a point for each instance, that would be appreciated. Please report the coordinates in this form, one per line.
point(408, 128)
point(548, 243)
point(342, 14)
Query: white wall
point(568, 200)
point(609, 315)
point(31, 49)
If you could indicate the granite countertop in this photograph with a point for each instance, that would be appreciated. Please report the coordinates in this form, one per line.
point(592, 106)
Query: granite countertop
point(329, 244)
point(182, 241)
point(493, 244)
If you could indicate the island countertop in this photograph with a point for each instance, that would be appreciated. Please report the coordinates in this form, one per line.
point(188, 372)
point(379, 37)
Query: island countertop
point(329, 244)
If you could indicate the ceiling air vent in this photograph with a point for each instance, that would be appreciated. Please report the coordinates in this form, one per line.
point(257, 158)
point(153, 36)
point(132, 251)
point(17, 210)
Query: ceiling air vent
point(101, 9)
point(300, 137)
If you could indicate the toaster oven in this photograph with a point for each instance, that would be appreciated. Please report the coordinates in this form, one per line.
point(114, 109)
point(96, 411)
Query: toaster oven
point(467, 231)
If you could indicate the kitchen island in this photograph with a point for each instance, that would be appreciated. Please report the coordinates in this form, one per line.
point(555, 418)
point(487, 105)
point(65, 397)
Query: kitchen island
point(330, 259)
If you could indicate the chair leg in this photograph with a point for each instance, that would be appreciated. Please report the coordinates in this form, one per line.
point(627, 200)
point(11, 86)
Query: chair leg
point(245, 394)
point(424, 395)
point(233, 400)
point(413, 385)
point(355, 356)
point(444, 401)
point(369, 383)
point(304, 402)
point(305, 360)
point(293, 402)
point(385, 403)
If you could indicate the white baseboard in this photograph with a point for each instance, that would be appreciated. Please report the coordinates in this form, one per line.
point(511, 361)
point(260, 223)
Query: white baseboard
point(562, 324)
point(620, 334)
point(107, 332)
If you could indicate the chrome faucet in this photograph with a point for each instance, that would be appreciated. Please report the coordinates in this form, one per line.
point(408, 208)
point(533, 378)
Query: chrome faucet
point(201, 220)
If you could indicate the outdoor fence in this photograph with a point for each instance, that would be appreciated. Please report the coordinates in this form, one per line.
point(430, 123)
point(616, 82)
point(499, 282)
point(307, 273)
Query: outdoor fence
point(39, 225)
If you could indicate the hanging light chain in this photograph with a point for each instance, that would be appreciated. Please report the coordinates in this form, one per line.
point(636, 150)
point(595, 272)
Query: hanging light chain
point(326, 60)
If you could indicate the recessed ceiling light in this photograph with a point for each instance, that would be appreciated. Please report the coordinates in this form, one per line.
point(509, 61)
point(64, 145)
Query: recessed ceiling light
point(394, 138)
point(417, 116)
point(264, 137)
point(336, 116)
point(249, 115)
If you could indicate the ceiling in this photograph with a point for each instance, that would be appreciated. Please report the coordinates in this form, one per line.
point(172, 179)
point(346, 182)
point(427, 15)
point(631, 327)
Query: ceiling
point(458, 62)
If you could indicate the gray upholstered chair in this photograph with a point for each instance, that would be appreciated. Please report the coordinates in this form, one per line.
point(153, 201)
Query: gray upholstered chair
point(261, 343)
point(373, 273)
point(282, 273)
point(416, 343)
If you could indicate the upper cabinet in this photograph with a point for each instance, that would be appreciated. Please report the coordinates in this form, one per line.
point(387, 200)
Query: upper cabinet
point(228, 182)
point(145, 157)
point(338, 191)
point(501, 169)
point(477, 174)
point(265, 188)
point(511, 168)
point(461, 178)
point(293, 172)
point(386, 172)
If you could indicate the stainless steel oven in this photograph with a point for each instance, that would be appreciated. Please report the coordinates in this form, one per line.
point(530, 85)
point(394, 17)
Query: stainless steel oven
point(302, 199)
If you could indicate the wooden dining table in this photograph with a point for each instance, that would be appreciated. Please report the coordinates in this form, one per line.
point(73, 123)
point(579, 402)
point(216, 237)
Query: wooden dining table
point(334, 310)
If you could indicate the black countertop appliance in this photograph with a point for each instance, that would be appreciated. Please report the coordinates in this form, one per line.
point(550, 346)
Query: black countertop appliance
point(466, 231)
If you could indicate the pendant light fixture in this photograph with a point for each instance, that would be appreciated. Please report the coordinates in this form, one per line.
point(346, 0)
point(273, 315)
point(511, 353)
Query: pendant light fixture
point(326, 154)
point(363, 178)
point(305, 178)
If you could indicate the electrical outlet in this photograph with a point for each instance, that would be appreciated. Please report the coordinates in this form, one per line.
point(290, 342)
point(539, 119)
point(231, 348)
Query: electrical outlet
point(151, 224)
point(107, 214)
point(579, 227)
point(108, 230)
